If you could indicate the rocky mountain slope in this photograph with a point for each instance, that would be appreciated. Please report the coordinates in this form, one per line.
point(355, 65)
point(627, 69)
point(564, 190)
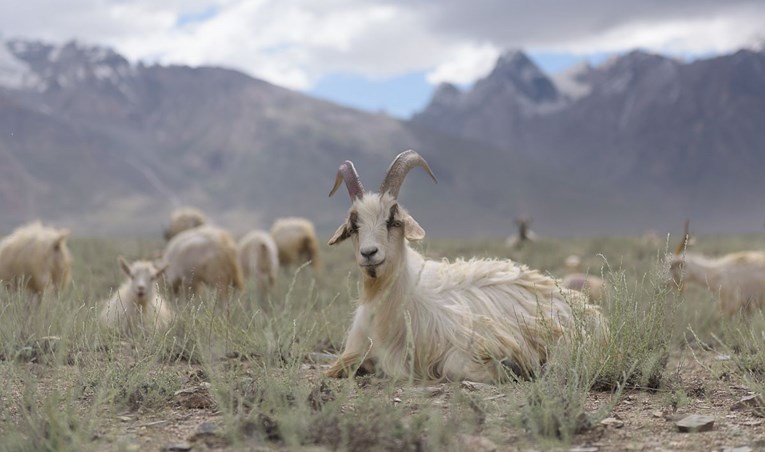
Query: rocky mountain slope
point(93, 141)
point(686, 138)
point(90, 140)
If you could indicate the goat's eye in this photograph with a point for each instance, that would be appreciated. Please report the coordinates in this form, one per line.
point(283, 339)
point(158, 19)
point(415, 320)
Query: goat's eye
point(394, 223)
point(354, 228)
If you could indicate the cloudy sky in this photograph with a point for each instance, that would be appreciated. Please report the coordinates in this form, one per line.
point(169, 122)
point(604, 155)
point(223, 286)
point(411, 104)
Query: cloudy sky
point(385, 54)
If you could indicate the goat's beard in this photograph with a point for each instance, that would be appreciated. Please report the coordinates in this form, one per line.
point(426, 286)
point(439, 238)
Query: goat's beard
point(371, 272)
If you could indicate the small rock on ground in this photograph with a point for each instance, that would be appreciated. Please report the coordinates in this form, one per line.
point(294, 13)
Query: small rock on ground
point(612, 422)
point(197, 397)
point(177, 447)
point(695, 423)
point(750, 401)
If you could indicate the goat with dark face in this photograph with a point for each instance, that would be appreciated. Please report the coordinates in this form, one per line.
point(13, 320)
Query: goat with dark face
point(431, 320)
point(524, 234)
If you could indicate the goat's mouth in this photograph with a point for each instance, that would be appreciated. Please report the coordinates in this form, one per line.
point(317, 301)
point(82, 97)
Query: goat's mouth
point(372, 265)
point(371, 268)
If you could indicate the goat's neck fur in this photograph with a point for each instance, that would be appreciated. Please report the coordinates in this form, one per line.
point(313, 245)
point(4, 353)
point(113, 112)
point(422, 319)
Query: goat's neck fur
point(398, 283)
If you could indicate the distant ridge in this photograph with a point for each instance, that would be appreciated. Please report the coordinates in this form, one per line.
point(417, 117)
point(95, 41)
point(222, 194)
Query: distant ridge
point(90, 140)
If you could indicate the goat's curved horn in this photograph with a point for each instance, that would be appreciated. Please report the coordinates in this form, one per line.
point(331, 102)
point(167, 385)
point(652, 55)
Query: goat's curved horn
point(684, 241)
point(347, 172)
point(398, 170)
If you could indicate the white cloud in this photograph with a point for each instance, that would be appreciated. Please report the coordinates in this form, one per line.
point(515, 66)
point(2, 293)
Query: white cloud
point(467, 63)
point(691, 36)
point(293, 43)
point(296, 42)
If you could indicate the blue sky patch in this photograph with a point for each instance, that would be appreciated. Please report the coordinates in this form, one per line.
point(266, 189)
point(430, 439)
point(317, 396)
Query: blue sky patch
point(398, 96)
point(192, 17)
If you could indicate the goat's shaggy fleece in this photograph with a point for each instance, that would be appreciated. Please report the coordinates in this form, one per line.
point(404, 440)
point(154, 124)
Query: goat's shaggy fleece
point(137, 304)
point(35, 257)
point(259, 258)
point(296, 241)
point(738, 278)
point(183, 219)
point(432, 320)
point(205, 255)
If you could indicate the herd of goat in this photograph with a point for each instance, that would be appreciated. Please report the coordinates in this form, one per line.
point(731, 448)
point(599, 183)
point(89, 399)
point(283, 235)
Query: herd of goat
point(483, 320)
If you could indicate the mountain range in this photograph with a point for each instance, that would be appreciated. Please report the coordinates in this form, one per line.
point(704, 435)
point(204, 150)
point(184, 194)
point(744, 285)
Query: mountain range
point(91, 140)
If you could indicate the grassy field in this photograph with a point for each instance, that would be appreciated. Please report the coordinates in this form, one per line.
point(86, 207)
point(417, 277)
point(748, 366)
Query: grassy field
point(246, 373)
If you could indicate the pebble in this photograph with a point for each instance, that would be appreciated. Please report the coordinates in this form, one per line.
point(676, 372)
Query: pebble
point(177, 447)
point(746, 402)
point(612, 422)
point(695, 423)
point(429, 391)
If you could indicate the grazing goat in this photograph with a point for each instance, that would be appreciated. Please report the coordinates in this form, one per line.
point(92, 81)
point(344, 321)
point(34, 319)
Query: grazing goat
point(259, 258)
point(737, 278)
point(572, 263)
point(205, 255)
point(435, 320)
point(296, 241)
point(183, 219)
point(35, 257)
point(592, 286)
point(137, 304)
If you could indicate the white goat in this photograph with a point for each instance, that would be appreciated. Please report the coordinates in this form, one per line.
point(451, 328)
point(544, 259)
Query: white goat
point(296, 241)
point(35, 257)
point(433, 320)
point(737, 278)
point(205, 255)
point(183, 219)
point(137, 304)
point(259, 257)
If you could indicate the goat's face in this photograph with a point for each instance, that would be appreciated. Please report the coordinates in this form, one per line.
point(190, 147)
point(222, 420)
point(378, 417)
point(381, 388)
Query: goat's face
point(379, 228)
point(377, 224)
point(142, 275)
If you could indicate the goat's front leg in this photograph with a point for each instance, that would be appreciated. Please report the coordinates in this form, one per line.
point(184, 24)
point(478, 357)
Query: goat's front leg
point(357, 348)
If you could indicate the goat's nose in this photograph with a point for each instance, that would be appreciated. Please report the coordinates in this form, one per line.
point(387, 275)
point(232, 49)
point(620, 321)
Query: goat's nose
point(369, 251)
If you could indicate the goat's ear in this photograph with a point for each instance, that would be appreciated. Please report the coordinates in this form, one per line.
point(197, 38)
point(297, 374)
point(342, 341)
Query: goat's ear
point(125, 266)
point(342, 233)
point(160, 269)
point(412, 230)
